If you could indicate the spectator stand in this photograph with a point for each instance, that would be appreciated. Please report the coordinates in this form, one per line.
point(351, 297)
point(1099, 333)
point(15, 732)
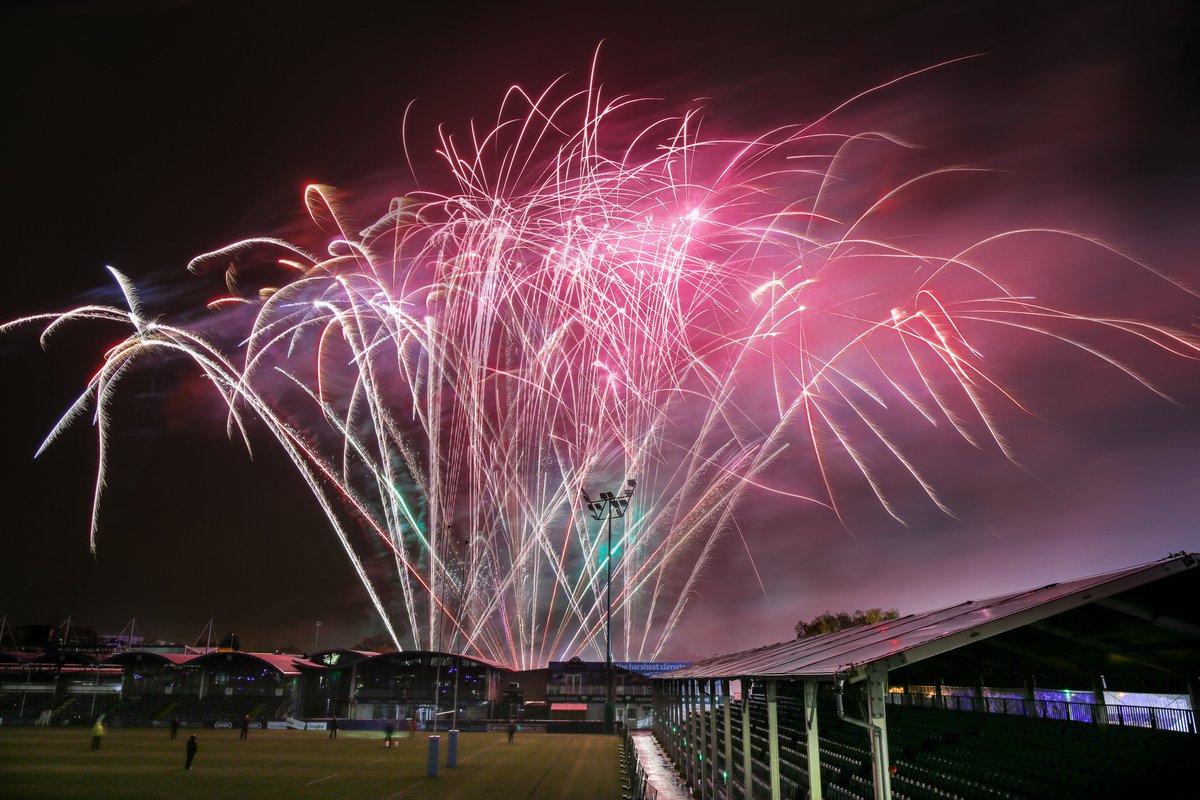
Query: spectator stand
point(824, 701)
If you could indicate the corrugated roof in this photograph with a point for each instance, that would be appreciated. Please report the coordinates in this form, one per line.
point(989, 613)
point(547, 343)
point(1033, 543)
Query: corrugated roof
point(918, 636)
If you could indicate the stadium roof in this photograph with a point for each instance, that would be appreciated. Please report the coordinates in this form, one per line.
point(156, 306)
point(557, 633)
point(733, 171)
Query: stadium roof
point(409, 654)
point(135, 656)
point(285, 664)
point(340, 656)
point(1144, 616)
point(71, 657)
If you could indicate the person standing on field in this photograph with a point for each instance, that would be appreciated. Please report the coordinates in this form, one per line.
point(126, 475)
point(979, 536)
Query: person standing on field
point(192, 747)
point(97, 734)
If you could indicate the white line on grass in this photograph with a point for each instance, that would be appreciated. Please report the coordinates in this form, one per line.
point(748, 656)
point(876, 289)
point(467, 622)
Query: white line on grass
point(318, 780)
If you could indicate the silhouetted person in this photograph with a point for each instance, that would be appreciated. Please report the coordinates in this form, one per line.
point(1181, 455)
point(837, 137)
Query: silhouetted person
point(192, 747)
point(97, 734)
point(388, 730)
point(412, 727)
point(333, 728)
point(512, 731)
point(175, 727)
point(245, 727)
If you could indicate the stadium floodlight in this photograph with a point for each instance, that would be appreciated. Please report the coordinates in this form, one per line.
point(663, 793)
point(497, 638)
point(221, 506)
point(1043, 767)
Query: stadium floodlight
point(606, 508)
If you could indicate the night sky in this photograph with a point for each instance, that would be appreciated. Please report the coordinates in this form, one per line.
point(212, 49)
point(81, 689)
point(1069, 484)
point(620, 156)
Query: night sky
point(140, 134)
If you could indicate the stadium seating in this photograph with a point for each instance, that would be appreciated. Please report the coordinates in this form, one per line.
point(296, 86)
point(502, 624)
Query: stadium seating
point(940, 753)
point(27, 706)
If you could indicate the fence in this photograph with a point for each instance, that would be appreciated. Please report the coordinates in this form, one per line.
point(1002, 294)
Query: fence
point(1166, 719)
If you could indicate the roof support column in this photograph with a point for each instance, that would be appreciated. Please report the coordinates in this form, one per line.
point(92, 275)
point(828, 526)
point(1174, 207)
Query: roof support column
point(725, 698)
point(655, 695)
point(681, 727)
point(812, 740)
point(877, 684)
point(773, 737)
point(713, 773)
point(747, 764)
point(666, 718)
point(702, 739)
point(693, 726)
point(670, 709)
point(680, 735)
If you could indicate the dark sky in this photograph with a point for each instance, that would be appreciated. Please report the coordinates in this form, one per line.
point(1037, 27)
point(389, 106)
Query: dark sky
point(139, 134)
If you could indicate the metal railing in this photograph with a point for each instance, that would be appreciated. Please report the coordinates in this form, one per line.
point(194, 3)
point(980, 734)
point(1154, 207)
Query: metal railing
point(1166, 719)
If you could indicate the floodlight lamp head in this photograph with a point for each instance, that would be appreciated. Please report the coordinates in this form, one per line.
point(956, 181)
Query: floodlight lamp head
point(631, 483)
point(586, 499)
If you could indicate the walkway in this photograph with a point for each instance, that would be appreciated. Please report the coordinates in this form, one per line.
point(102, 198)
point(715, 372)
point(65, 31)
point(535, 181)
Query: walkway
point(664, 783)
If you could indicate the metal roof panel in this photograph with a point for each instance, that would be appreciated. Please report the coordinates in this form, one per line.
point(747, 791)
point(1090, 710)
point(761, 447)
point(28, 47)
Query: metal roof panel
point(847, 653)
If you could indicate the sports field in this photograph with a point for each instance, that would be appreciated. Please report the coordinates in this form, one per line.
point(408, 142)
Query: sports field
point(139, 762)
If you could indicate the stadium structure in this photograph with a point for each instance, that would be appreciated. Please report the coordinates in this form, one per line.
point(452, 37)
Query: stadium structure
point(1081, 689)
point(220, 687)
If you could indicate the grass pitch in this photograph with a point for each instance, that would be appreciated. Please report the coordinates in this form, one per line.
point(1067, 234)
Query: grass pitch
point(43, 763)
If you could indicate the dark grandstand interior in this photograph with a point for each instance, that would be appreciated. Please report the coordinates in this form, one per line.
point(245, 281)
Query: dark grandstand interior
point(1021, 696)
point(941, 753)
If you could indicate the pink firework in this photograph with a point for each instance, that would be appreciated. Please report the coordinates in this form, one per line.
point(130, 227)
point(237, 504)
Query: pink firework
point(595, 299)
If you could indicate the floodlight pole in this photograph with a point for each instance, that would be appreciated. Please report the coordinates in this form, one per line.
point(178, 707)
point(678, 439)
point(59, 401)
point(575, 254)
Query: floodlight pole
point(607, 507)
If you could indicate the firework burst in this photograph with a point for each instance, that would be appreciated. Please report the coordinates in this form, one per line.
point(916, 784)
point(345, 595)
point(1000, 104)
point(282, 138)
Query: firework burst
point(595, 299)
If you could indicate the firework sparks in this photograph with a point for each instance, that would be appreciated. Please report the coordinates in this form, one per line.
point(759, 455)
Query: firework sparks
point(586, 305)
